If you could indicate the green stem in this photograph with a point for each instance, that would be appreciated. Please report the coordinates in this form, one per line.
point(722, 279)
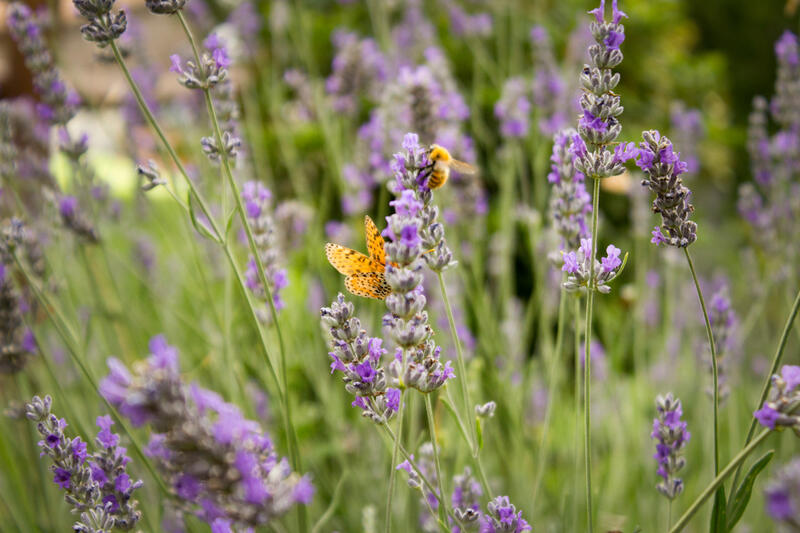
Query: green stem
point(436, 462)
point(462, 369)
point(713, 347)
point(776, 361)
point(393, 466)
point(291, 435)
point(587, 360)
point(71, 341)
point(718, 480)
point(577, 394)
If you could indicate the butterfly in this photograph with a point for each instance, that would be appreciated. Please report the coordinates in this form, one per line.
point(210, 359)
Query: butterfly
point(364, 275)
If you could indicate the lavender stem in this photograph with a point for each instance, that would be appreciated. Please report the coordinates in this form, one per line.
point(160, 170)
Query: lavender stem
point(436, 462)
point(711, 345)
point(587, 367)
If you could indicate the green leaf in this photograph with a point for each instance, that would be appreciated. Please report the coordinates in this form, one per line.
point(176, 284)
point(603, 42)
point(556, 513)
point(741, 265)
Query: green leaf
point(199, 226)
point(479, 432)
point(231, 217)
point(742, 495)
point(719, 523)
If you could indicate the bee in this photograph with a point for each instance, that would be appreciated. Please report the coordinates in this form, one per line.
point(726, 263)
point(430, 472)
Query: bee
point(441, 165)
point(364, 275)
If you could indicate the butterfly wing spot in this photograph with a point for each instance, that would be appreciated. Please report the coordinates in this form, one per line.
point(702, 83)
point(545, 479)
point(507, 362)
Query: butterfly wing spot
point(462, 167)
point(368, 285)
point(375, 243)
point(349, 262)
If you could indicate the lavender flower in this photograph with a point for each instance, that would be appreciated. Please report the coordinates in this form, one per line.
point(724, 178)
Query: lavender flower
point(501, 516)
point(465, 501)
point(464, 24)
point(723, 325)
point(779, 410)
point(411, 229)
point(549, 89)
point(662, 168)
point(599, 126)
point(257, 200)
point(358, 357)
point(150, 176)
point(570, 203)
point(359, 69)
point(687, 127)
point(424, 465)
point(211, 70)
point(782, 495)
point(578, 265)
point(96, 485)
point(164, 7)
point(220, 465)
point(513, 108)
point(18, 342)
point(58, 101)
point(103, 26)
point(785, 105)
point(74, 220)
point(671, 433)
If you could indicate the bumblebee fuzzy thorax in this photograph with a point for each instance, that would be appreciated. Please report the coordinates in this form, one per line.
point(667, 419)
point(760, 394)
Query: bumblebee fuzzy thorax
point(439, 153)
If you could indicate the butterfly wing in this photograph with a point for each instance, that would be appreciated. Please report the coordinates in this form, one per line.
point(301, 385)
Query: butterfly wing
point(375, 243)
point(462, 168)
point(368, 285)
point(349, 262)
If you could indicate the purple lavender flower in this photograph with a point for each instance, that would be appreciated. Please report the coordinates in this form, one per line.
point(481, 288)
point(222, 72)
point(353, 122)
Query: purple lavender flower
point(782, 495)
point(579, 266)
point(58, 102)
point(257, 201)
point(513, 108)
point(570, 203)
point(359, 69)
point(465, 501)
point(687, 127)
point(783, 400)
point(549, 88)
point(103, 26)
point(220, 464)
point(464, 24)
point(599, 126)
point(502, 515)
point(662, 168)
point(724, 326)
point(95, 485)
point(671, 435)
point(358, 357)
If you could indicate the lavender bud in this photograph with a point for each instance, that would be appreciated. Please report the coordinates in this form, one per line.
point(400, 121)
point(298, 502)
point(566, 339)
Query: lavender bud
point(151, 175)
point(164, 7)
point(782, 495)
point(230, 146)
point(486, 410)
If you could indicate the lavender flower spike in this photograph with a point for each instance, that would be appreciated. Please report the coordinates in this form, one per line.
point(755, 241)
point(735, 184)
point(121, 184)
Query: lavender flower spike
point(784, 398)
point(96, 485)
point(579, 264)
point(103, 26)
point(358, 357)
point(220, 465)
point(662, 169)
point(671, 433)
point(782, 495)
point(411, 229)
point(570, 203)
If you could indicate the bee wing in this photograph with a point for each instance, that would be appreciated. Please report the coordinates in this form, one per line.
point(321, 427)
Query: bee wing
point(462, 168)
point(375, 243)
point(349, 262)
point(368, 285)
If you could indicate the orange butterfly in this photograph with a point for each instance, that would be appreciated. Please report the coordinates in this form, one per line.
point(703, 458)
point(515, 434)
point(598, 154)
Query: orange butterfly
point(365, 275)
